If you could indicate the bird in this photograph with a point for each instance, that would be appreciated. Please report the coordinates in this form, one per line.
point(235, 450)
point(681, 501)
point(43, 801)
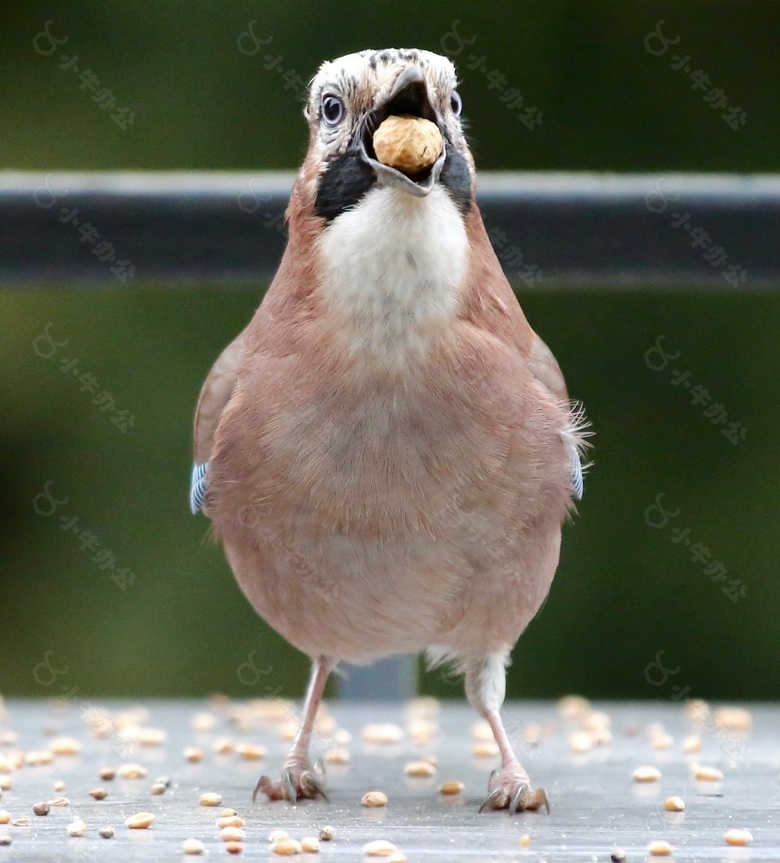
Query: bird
point(388, 452)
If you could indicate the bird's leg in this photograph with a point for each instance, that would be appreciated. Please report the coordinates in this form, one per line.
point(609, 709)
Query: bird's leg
point(299, 779)
point(510, 787)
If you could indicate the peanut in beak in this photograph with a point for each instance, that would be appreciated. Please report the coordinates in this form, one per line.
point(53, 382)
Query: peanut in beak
point(408, 144)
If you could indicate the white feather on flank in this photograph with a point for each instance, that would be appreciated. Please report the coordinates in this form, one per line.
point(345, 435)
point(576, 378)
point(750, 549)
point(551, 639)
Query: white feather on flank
point(485, 674)
point(576, 437)
point(394, 268)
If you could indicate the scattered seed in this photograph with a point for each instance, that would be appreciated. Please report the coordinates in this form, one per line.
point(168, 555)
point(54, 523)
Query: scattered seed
point(398, 857)
point(481, 730)
point(654, 729)
point(193, 754)
point(59, 786)
point(131, 771)
point(98, 793)
point(451, 788)
point(580, 742)
point(224, 746)
point(595, 720)
point(289, 729)
point(737, 837)
point(598, 736)
point(573, 706)
point(158, 788)
point(337, 755)
point(341, 735)
point(59, 801)
point(379, 848)
point(674, 804)
point(77, 828)
point(65, 746)
point(421, 730)
point(420, 768)
point(659, 848)
point(251, 751)
point(107, 773)
point(618, 856)
point(646, 774)
point(278, 836)
point(5, 783)
point(383, 733)
point(662, 741)
point(5, 816)
point(696, 709)
point(140, 821)
point(41, 808)
point(23, 821)
point(203, 722)
point(734, 718)
point(286, 847)
point(422, 705)
point(149, 736)
point(106, 832)
point(5, 840)
point(39, 756)
point(525, 841)
point(234, 847)
point(691, 743)
point(226, 813)
point(707, 774)
point(374, 799)
point(210, 798)
point(485, 749)
point(310, 845)
point(230, 821)
point(232, 834)
point(327, 833)
point(193, 846)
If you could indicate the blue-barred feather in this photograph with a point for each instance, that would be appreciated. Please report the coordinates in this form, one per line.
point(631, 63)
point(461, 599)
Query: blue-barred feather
point(577, 484)
point(198, 487)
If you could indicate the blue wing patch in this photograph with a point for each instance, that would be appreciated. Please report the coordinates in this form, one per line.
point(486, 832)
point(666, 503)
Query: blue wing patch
point(198, 487)
point(577, 486)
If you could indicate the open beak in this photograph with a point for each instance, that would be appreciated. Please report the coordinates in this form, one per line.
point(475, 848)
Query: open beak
point(408, 96)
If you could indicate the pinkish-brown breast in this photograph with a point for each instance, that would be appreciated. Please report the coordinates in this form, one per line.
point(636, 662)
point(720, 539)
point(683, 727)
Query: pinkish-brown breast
point(368, 515)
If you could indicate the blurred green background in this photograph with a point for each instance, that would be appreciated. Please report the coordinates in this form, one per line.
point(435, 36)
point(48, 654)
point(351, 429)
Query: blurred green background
point(625, 590)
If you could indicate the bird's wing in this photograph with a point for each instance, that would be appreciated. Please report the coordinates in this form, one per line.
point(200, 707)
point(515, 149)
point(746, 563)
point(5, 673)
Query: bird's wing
point(546, 370)
point(214, 395)
point(491, 305)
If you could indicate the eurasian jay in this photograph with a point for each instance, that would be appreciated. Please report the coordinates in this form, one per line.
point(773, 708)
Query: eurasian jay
point(387, 452)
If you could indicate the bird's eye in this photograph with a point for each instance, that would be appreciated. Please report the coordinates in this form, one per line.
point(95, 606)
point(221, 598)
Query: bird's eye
point(332, 110)
point(456, 103)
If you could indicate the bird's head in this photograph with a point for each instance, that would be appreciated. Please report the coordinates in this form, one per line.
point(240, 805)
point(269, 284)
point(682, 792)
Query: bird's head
point(351, 97)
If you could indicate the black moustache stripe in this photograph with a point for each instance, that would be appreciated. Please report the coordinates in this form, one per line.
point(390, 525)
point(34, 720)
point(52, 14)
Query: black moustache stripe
point(456, 177)
point(347, 178)
point(342, 185)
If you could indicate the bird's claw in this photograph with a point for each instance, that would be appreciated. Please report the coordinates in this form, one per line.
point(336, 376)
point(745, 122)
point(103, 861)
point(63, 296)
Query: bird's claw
point(507, 791)
point(490, 801)
point(295, 784)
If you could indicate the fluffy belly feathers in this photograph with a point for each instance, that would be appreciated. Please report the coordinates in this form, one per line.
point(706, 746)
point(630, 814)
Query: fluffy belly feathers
point(379, 519)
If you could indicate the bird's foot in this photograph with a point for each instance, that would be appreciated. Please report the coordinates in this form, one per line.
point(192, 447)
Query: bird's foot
point(299, 781)
point(511, 789)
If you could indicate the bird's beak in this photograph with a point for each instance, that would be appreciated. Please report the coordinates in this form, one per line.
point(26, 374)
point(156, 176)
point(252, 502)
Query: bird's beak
point(408, 96)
